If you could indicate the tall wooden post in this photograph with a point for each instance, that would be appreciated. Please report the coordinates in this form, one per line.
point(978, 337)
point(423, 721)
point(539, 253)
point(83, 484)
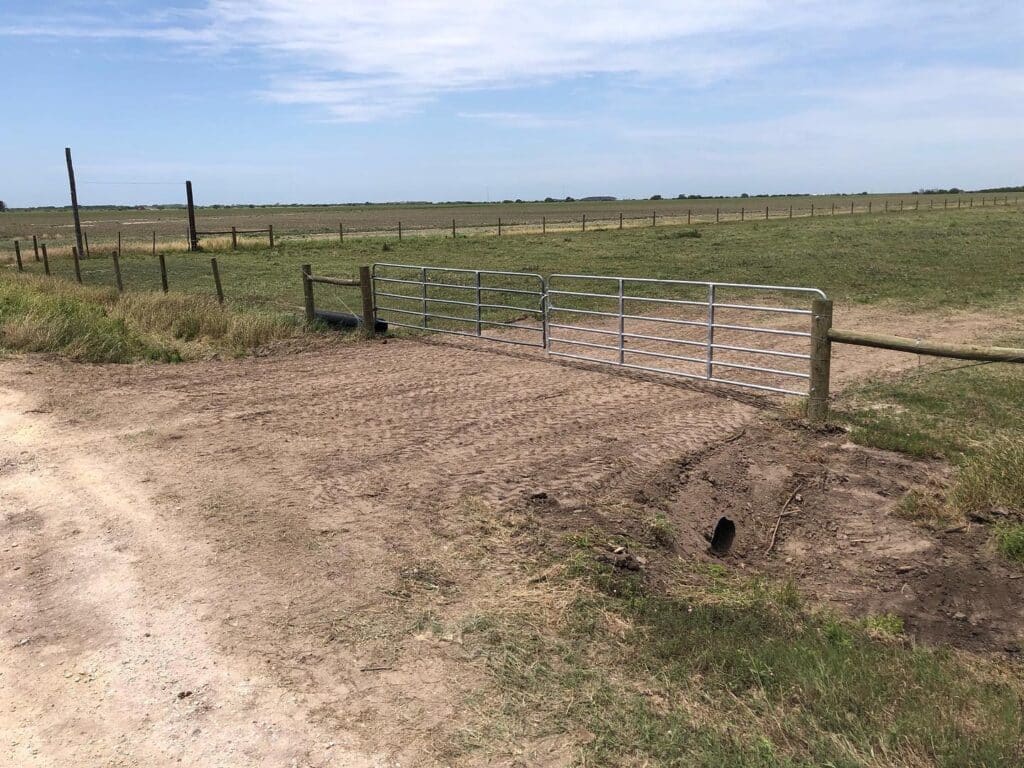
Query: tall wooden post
point(35, 246)
point(117, 271)
point(46, 261)
point(74, 200)
point(193, 238)
point(163, 273)
point(307, 292)
point(78, 264)
point(821, 360)
point(17, 255)
point(216, 281)
point(366, 290)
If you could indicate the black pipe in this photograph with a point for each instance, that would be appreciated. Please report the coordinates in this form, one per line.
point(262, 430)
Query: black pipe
point(347, 320)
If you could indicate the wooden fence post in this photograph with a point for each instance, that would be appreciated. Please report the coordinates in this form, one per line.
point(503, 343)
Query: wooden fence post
point(717, 212)
point(193, 238)
point(307, 292)
point(399, 231)
point(821, 360)
point(620, 221)
point(543, 225)
point(812, 210)
point(154, 242)
point(78, 264)
point(46, 261)
point(270, 234)
point(341, 232)
point(499, 226)
point(869, 206)
point(88, 250)
point(791, 211)
point(833, 209)
point(117, 271)
point(654, 218)
point(163, 273)
point(743, 214)
point(234, 238)
point(584, 222)
point(35, 246)
point(17, 255)
point(366, 289)
point(766, 213)
point(119, 243)
point(216, 281)
point(453, 228)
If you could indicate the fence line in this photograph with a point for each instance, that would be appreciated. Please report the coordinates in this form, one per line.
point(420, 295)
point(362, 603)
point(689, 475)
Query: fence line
point(586, 222)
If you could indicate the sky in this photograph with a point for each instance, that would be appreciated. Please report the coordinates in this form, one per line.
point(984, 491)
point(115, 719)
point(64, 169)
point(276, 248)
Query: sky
point(265, 101)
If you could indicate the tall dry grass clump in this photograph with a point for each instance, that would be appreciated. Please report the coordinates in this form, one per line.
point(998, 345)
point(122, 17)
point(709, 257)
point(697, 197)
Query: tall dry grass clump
point(97, 325)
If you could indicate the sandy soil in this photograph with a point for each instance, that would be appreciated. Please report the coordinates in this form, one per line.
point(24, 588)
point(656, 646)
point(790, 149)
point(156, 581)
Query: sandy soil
point(239, 562)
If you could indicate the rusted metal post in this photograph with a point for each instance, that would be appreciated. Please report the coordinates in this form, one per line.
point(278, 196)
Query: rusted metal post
point(821, 360)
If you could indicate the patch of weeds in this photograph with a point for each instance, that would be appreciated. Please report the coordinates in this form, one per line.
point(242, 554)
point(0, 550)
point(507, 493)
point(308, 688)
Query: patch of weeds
point(1009, 538)
point(993, 478)
point(680, 234)
point(662, 532)
point(883, 625)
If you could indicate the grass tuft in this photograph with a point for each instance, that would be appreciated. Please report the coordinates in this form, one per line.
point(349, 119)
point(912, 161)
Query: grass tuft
point(1009, 539)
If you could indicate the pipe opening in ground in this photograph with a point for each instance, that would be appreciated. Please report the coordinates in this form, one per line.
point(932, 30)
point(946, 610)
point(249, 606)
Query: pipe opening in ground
point(723, 537)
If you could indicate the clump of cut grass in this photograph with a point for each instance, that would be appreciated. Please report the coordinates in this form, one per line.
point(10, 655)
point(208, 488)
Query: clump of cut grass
point(94, 324)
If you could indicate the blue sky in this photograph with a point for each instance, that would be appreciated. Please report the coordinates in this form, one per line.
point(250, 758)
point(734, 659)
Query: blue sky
point(330, 101)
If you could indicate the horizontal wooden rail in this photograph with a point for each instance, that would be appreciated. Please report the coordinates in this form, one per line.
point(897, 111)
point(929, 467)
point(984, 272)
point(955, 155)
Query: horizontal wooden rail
point(333, 280)
point(932, 348)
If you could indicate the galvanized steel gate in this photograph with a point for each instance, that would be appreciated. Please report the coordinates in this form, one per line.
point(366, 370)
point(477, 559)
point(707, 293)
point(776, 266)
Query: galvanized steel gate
point(720, 332)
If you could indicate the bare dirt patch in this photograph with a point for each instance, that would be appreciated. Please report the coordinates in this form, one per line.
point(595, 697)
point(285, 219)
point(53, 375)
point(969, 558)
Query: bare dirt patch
point(260, 561)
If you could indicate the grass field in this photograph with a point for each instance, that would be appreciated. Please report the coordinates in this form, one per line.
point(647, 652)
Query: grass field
point(137, 226)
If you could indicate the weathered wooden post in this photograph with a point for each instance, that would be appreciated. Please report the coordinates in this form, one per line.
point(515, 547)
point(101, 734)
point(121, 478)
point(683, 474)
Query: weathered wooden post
point(154, 242)
point(234, 238)
point(35, 246)
point(620, 221)
point(791, 211)
point(399, 231)
point(163, 273)
point(743, 214)
point(821, 360)
point(307, 292)
point(766, 213)
point(270, 234)
point(17, 255)
point(341, 232)
point(119, 243)
point(88, 250)
point(499, 226)
point(74, 199)
point(216, 281)
point(654, 218)
point(453, 228)
point(46, 260)
point(366, 289)
point(117, 271)
point(812, 210)
point(543, 225)
point(717, 213)
point(193, 238)
point(584, 222)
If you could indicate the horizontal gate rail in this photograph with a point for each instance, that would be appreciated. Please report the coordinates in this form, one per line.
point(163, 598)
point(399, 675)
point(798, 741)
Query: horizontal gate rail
point(586, 327)
point(436, 295)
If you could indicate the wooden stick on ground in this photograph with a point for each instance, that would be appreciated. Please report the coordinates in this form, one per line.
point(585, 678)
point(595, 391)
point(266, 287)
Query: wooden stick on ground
point(782, 514)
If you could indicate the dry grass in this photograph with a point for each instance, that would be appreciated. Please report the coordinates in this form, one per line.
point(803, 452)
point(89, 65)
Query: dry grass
point(97, 325)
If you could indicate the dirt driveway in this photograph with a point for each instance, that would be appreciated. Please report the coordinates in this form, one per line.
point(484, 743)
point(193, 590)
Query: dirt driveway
point(238, 562)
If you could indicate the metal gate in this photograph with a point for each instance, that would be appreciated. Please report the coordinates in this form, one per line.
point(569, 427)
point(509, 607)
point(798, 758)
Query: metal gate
point(721, 332)
point(464, 302)
point(754, 336)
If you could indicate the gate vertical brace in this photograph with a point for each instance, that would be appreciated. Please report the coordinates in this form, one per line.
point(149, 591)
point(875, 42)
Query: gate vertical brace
point(423, 293)
point(478, 331)
point(821, 360)
point(710, 369)
point(622, 321)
